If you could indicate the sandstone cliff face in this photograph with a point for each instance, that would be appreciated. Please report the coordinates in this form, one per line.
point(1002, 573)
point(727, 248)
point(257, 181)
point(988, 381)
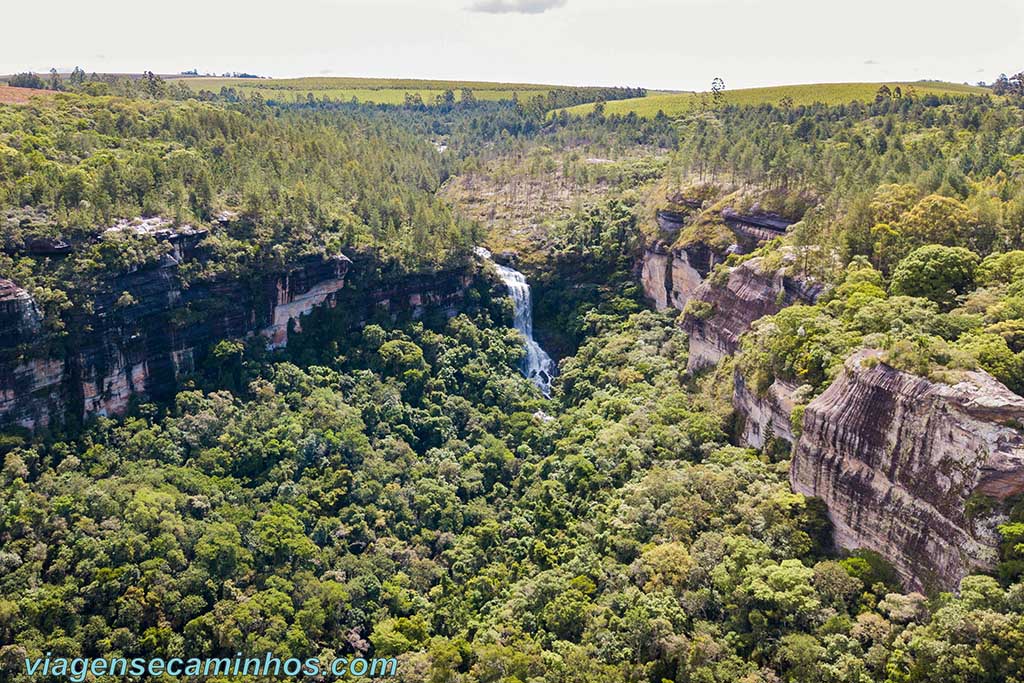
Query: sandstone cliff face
point(765, 416)
point(670, 276)
point(20, 327)
point(896, 458)
point(144, 344)
point(912, 469)
point(147, 347)
point(19, 317)
point(298, 293)
point(725, 311)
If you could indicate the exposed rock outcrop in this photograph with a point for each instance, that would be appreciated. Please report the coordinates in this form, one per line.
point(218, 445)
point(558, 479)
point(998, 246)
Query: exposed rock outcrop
point(20, 327)
point(721, 312)
point(298, 293)
point(754, 229)
point(763, 417)
point(670, 276)
point(19, 316)
point(146, 329)
point(669, 220)
point(900, 461)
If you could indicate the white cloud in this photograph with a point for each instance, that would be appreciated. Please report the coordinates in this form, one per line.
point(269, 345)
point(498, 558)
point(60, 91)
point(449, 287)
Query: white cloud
point(515, 6)
point(659, 44)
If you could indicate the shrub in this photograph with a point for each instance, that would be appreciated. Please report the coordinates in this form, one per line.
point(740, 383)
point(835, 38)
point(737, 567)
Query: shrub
point(26, 80)
point(996, 357)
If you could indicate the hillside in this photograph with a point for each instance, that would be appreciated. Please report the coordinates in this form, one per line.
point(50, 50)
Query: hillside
point(375, 90)
point(675, 104)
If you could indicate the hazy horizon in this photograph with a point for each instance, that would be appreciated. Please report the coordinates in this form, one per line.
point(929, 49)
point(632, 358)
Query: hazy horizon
point(564, 42)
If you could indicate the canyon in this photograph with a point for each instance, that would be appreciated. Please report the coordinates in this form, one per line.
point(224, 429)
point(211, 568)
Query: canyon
point(916, 470)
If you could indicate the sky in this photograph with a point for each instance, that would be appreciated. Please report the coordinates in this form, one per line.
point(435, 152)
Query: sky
point(658, 44)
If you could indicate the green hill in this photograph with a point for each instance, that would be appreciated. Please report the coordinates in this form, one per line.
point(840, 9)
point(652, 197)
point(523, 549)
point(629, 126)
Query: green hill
point(371, 90)
point(675, 104)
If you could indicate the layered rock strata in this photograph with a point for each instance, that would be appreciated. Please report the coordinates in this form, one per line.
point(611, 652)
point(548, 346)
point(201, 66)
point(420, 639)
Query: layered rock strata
point(720, 312)
point(670, 276)
point(913, 469)
point(766, 417)
point(147, 329)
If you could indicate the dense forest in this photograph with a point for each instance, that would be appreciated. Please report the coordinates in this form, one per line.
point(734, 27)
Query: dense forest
point(397, 488)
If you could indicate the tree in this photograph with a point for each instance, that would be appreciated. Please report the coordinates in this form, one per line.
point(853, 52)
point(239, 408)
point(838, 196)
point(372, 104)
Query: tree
point(280, 538)
point(935, 272)
point(799, 653)
point(666, 565)
point(1001, 268)
point(221, 551)
point(27, 80)
point(935, 220)
point(996, 357)
point(889, 202)
point(1016, 84)
point(74, 188)
point(717, 91)
point(154, 85)
point(1001, 86)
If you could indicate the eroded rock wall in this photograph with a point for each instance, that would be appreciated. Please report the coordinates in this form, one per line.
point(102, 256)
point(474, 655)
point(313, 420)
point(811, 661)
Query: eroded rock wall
point(670, 276)
point(900, 461)
point(725, 310)
point(916, 470)
point(763, 417)
point(146, 330)
point(22, 374)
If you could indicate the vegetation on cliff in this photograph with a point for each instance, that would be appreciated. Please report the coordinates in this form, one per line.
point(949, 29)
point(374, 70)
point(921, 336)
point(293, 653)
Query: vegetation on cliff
point(915, 229)
point(401, 490)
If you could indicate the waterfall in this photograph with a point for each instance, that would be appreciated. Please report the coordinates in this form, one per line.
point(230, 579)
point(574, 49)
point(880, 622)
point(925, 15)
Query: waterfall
point(537, 366)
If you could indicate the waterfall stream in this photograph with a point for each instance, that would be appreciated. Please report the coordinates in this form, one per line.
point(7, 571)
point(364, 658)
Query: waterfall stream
point(537, 366)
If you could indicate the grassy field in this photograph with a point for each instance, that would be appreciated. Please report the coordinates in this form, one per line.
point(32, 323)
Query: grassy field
point(376, 90)
point(828, 93)
point(9, 95)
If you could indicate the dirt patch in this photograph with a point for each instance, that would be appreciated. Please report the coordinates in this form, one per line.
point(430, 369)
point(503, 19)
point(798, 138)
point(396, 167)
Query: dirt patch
point(9, 95)
point(518, 198)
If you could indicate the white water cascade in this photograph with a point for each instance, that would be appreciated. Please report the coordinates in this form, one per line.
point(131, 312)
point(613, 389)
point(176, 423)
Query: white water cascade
point(537, 365)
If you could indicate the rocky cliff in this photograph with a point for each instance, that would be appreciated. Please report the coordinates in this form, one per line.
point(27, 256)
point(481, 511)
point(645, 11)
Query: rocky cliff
point(147, 329)
point(721, 311)
point(670, 276)
point(24, 374)
point(762, 418)
point(913, 469)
